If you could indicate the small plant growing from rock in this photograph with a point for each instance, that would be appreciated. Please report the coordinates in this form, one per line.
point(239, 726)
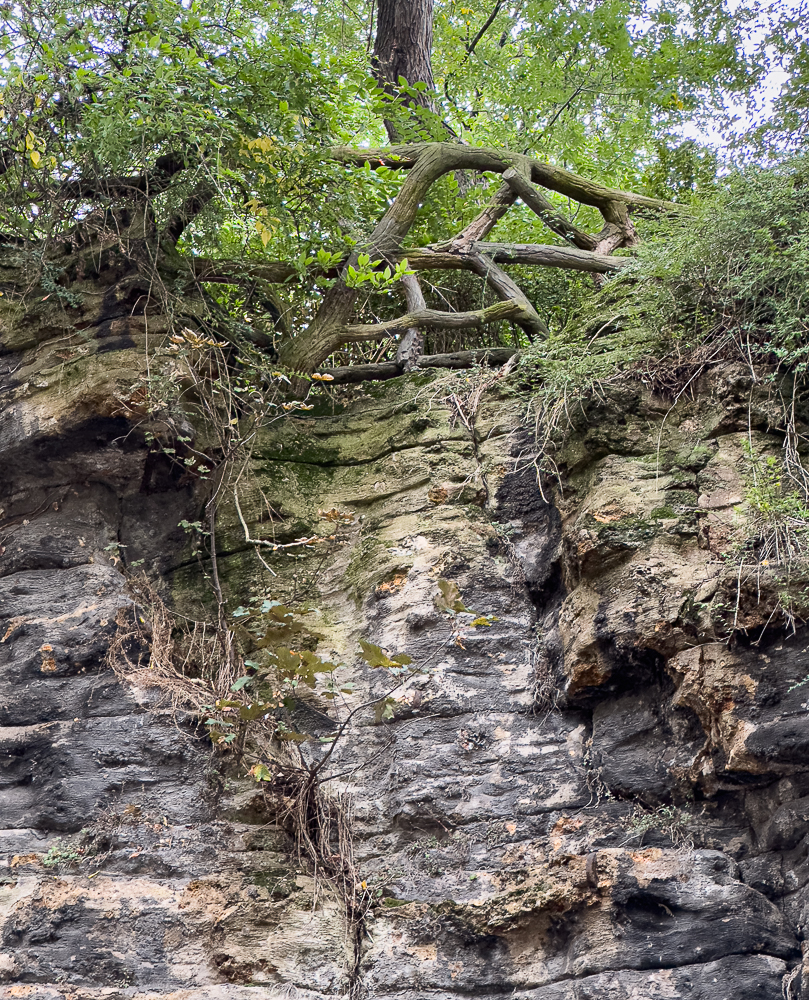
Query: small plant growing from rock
point(61, 855)
point(779, 512)
point(772, 542)
point(668, 820)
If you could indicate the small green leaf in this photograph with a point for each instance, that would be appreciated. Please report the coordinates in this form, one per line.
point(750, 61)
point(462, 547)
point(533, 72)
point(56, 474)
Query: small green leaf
point(485, 620)
point(249, 713)
point(290, 736)
point(261, 772)
point(449, 597)
point(375, 656)
point(384, 709)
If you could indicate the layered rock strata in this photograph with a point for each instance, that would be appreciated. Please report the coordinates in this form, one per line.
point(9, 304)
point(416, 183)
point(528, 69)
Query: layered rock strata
point(601, 792)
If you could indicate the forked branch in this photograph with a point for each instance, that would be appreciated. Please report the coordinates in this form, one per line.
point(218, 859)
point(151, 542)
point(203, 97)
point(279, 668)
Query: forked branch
point(540, 206)
point(425, 163)
point(458, 157)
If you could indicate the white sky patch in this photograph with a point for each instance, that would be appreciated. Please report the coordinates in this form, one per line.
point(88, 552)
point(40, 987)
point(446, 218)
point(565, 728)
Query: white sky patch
point(742, 114)
point(745, 114)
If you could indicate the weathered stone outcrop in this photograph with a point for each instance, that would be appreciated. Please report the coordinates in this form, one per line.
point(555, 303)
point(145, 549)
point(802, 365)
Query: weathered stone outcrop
point(603, 793)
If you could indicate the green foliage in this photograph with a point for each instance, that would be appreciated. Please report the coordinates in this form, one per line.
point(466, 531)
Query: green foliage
point(367, 272)
point(375, 656)
point(771, 493)
point(769, 554)
point(276, 672)
point(61, 854)
point(735, 270)
point(105, 89)
point(235, 103)
point(449, 598)
point(680, 169)
point(604, 336)
point(668, 820)
point(591, 84)
point(463, 620)
point(785, 48)
point(776, 532)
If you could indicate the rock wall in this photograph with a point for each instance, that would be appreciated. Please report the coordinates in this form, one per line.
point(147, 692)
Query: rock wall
point(601, 794)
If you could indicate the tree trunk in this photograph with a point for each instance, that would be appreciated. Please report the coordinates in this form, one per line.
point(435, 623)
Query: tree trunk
point(402, 49)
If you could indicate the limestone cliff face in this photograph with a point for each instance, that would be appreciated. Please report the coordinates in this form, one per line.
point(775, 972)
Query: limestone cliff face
point(596, 795)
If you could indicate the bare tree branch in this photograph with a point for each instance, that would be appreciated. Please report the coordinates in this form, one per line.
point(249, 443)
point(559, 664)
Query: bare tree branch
point(353, 374)
point(535, 254)
point(480, 227)
point(191, 207)
point(540, 206)
point(151, 182)
point(426, 162)
point(324, 334)
point(427, 318)
point(510, 291)
point(470, 48)
point(458, 157)
point(439, 257)
point(412, 343)
point(229, 272)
